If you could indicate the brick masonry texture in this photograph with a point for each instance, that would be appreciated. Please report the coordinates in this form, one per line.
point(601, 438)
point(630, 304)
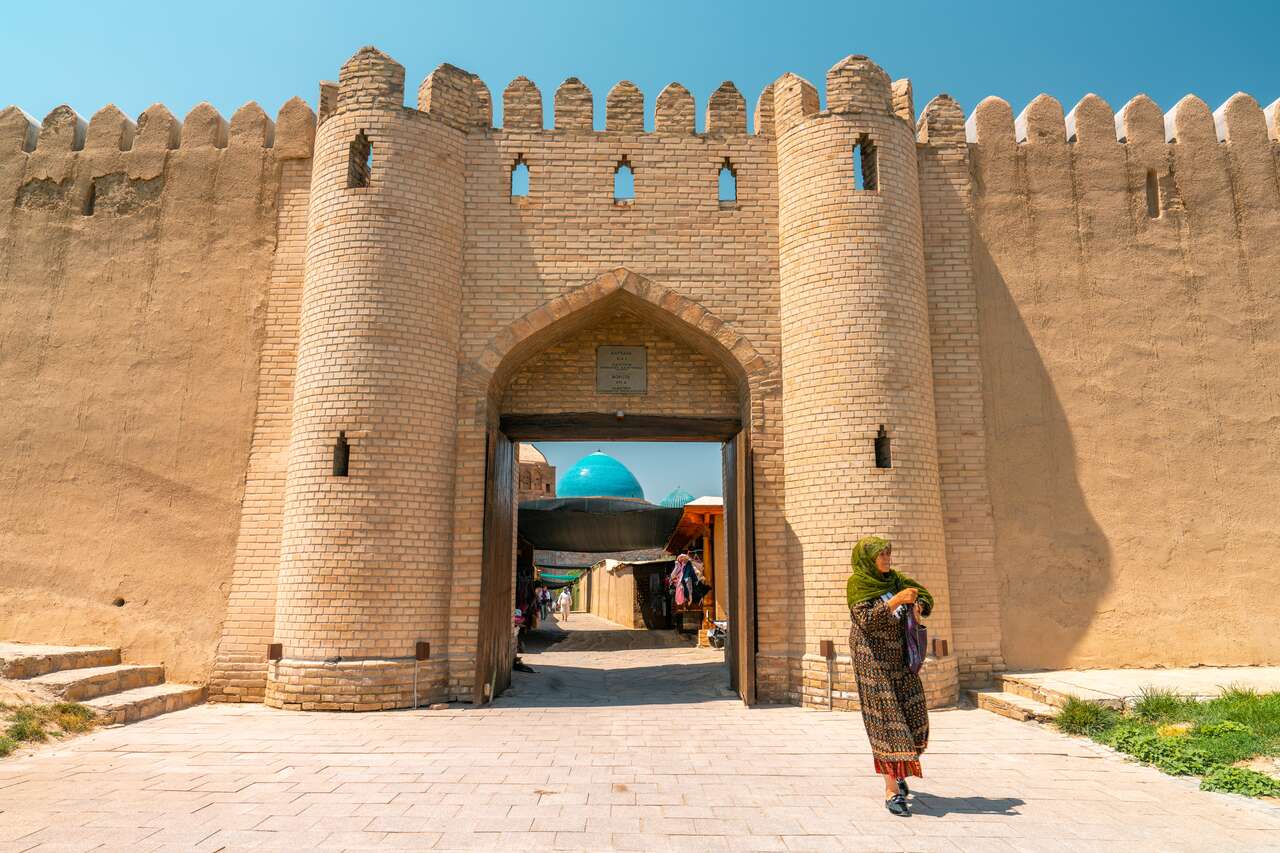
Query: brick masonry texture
point(1078, 393)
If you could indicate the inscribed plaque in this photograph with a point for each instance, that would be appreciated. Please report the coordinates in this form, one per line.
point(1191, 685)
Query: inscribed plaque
point(621, 370)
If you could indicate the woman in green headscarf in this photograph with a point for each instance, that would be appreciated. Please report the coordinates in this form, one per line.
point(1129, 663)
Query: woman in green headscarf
point(891, 696)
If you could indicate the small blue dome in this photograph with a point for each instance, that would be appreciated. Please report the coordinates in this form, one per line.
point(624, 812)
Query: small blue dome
point(675, 498)
point(599, 476)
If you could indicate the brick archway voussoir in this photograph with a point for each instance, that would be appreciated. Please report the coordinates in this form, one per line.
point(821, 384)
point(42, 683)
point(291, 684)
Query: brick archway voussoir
point(750, 365)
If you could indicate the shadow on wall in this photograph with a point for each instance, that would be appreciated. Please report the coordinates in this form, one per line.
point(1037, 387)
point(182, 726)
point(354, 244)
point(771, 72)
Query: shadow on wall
point(1053, 562)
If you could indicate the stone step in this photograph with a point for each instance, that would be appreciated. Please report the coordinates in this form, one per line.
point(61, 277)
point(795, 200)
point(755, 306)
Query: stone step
point(77, 685)
point(144, 702)
point(1032, 689)
point(29, 660)
point(1012, 705)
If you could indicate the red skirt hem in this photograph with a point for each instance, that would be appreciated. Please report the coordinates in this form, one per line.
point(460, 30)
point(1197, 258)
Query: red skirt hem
point(899, 769)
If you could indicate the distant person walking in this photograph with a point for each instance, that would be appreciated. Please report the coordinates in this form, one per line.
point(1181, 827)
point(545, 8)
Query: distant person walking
point(565, 601)
point(891, 695)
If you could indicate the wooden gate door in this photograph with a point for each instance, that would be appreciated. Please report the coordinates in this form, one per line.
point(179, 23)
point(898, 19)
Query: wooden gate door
point(493, 652)
point(739, 514)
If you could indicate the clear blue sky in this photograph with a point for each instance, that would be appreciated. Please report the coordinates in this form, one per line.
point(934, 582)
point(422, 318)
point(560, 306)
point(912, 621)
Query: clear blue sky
point(133, 54)
point(660, 466)
point(179, 53)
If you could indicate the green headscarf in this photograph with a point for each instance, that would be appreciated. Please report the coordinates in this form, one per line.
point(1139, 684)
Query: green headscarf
point(867, 582)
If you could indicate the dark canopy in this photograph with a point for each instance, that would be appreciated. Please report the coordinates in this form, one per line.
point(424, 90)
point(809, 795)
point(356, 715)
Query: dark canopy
point(596, 524)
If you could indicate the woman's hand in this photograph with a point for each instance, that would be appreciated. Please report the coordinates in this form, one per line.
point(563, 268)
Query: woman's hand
point(906, 596)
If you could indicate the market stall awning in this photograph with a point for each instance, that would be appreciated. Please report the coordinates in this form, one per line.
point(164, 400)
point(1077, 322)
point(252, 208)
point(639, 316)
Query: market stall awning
point(596, 524)
point(693, 522)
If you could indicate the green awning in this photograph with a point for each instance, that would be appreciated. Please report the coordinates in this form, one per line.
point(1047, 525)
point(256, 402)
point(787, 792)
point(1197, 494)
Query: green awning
point(550, 577)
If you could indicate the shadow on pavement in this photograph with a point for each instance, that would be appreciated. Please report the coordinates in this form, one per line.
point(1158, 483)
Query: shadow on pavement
point(929, 805)
point(552, 686)
point(621, 639)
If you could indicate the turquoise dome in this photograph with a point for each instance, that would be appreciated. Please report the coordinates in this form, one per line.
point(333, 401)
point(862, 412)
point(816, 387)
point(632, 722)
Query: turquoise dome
point(675, 498)
point(599, 476)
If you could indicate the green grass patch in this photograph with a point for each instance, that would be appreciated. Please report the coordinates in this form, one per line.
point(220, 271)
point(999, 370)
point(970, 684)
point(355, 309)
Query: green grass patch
point(1078, 717)
point(1159, 706)
point(73, 717)
point(37, 723)
point(1239, 780)
point(1186, 737)
point(27, 724)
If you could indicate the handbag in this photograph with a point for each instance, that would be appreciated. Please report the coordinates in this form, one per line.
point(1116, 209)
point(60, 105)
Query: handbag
point(915, 642)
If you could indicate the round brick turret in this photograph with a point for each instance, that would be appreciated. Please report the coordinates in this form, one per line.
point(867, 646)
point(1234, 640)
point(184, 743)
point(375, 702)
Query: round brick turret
point(855, 345)
point(364, 569)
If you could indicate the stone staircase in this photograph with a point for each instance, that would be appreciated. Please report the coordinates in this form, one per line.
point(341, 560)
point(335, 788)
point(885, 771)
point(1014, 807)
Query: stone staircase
point(94, 676)
point(1023, 699)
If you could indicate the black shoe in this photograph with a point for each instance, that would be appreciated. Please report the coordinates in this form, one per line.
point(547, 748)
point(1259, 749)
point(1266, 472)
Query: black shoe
point(903, 790)
point(898, 805)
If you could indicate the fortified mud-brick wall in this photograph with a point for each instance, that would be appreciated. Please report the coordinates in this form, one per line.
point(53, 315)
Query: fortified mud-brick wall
point(856, 358)
point(702, 271)
point(1130, 304)
point(136, 259)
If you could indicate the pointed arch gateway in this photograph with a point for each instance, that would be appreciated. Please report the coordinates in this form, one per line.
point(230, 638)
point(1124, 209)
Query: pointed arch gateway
point(486, 379)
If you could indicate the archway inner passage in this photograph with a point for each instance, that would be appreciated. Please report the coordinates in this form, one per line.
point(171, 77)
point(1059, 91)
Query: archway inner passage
point(654, 594)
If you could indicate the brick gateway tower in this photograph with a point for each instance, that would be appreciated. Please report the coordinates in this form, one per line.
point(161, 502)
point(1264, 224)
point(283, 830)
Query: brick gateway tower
point(834, 369)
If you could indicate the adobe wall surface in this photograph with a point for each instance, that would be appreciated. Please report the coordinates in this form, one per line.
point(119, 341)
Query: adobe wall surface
point(1131, 390)
point(135, 264)
point(613, 595)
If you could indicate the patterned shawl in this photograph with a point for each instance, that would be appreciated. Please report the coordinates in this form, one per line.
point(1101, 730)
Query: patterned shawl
point(867, 582)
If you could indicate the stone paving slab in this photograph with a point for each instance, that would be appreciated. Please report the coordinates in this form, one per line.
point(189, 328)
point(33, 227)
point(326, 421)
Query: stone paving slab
point(1127, 684)
point(669, 763)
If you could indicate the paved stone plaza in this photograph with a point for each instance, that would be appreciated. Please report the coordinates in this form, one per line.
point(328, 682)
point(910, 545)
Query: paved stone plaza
point(622, 740)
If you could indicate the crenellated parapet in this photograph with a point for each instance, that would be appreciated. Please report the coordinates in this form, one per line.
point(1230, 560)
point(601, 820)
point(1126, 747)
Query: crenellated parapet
point(64, 132)
point(370, 78)
point(726, 112)
point(1140, 121)
point(941, 122)
point(674, 114)
point(1152, 162)
point(855, 84)
point(114, 165)
point(462, 100)
point(456, 97)
point(624, 108)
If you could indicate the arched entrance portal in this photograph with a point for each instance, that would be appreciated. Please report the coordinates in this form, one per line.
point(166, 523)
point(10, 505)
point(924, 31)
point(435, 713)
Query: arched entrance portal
point(536, 381)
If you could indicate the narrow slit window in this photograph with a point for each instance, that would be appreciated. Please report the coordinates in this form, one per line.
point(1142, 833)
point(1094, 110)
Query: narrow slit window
point(865, 168)
point(520, 178)
point(624, 183)
point(90, 199)
point(883, 459)
point(728, 183)
point(1153, 195)
point(341, 455)
point(360, 164)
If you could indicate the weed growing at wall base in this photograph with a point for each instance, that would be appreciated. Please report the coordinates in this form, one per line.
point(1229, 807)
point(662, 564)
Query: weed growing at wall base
point(37, 723)
point(1085, 718)
point(1186, 737)
point(1239, 780)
